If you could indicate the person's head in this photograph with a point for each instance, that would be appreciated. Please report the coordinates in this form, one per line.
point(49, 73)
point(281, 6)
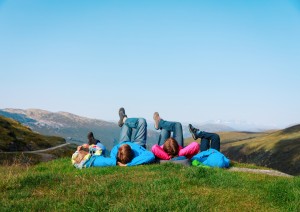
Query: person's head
point(171, 147)
point(91, 138)
point(125, 154)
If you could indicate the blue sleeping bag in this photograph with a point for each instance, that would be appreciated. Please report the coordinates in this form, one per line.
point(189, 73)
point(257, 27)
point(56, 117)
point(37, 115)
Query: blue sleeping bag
point(212, 158)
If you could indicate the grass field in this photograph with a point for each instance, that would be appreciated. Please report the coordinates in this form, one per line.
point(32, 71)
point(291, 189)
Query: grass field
point(56, 185)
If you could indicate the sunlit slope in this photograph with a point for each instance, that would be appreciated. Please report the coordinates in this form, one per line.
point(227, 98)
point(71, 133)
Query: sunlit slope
point(16, 137)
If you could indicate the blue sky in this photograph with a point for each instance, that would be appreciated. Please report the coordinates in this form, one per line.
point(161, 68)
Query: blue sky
point(192, 61)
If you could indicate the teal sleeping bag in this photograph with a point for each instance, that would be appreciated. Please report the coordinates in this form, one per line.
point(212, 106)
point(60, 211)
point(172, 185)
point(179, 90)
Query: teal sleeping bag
point(212, 158)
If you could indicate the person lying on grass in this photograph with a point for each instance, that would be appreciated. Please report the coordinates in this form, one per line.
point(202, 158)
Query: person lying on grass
point(170, 149)
point(127, 152)
point(84, 153)
point(123, 154)
point(171, 146)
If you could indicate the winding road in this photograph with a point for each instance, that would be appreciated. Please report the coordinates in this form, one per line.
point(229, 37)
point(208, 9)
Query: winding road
point(39, 151)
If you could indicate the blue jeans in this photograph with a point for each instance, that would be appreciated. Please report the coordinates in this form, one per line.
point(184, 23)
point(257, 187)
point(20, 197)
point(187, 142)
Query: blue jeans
point(168, 127)
point(208, 140)
point(140, 136)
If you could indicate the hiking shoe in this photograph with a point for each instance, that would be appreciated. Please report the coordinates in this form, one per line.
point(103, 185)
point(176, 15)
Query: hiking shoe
point(156, 118)
point(122, 116)
point(193, 131)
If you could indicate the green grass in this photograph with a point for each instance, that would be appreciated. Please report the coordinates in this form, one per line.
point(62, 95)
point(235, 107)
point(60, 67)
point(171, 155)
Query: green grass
point(58, 186)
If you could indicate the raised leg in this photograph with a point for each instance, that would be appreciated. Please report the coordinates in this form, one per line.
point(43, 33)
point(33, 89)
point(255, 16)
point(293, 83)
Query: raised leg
point(164, 135)
point(140, 136)
point(212, 137)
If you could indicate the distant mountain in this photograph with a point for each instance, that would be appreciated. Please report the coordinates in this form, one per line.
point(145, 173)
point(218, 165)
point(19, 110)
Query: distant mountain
point(276, 149)
point(16, 137)
point(238, 125)
point(205, 127)
point(72, 127)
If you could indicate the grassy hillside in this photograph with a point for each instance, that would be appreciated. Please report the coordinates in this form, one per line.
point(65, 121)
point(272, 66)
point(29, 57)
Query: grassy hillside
point(278, 150)
point(227, 137)
point(16, 137)
point(57, 186)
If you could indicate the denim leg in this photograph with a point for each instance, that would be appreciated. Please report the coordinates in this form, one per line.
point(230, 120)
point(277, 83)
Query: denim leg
point(204, 144)
point(126, 131)
point(168, 127)
point(213, 137)
point(164, 135)
point(140, 136)
point(177, 134)
point(215, 142)
point(125, 134)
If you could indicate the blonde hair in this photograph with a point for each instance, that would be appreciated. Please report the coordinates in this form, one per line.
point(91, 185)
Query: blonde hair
point(81, 154)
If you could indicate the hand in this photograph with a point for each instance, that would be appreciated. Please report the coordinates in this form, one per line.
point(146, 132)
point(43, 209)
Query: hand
point(121, 164)
point(85, 146)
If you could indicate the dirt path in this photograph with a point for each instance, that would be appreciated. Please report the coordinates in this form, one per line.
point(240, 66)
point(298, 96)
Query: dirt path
point(39, 151)
point(260, 171)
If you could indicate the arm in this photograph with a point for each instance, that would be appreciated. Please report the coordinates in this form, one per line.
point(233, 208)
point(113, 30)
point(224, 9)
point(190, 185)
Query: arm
point(144, 157)
point(190, 150)
point(114, 152)
point(100, 161)
point(160, 153)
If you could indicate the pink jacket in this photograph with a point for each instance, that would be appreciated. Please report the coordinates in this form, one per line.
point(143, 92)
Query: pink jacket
point(189, 151)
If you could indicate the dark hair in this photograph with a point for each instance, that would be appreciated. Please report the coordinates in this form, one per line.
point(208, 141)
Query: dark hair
point(91, 138)
point(90, 135)
point(171, 147)
point(125, 154)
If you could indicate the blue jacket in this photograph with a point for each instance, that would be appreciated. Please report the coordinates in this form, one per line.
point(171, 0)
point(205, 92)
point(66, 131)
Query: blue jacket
point(141, 156)
point(212, 158)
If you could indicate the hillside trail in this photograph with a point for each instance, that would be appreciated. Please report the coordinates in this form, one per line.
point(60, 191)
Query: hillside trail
point(260, 171)
point(41, 150)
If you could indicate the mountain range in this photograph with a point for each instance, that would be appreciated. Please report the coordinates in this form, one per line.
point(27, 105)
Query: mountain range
point(74, 128)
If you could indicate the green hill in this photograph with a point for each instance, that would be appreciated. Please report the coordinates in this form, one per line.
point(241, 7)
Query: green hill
point(227, 137)
point(57, 186)
point(16, 137)
point(278, 150)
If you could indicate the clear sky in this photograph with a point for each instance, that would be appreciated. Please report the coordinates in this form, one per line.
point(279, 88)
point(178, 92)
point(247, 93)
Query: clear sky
point(192, 61)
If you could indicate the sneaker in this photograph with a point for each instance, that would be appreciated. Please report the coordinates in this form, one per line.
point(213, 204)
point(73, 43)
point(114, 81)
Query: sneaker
point(156, 118)
point(122, 116)
point(193, 131)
